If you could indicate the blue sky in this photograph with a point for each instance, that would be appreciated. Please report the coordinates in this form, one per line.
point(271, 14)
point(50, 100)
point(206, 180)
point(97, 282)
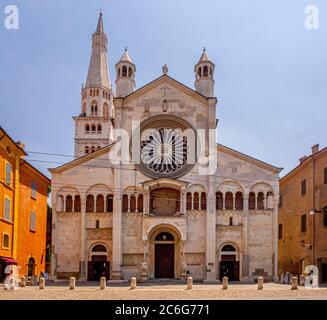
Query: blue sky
point(271, 73)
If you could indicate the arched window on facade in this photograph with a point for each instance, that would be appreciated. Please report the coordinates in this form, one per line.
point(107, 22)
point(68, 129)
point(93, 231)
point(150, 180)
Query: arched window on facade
point(69, 203)
point(252, 201)
point(87, 128)
point(219, 201)
point(99, 248)
point(140, 203)
point(110, 203)
point(124, 72)
point(90, 203)
point(239, 201)
point(93, 128)
point(229, 201)
point(125, 203)
point(99, 128)
point(97, 224)
point(203, 201)
point(205, 71)
point(260, 201)
point(77, 204)
point(230, 221)
point(196, 201)
point(100, 203)
point(133, 203)
point(189, 201)
point(199, 72)
point(92, 149)
point(86, 149)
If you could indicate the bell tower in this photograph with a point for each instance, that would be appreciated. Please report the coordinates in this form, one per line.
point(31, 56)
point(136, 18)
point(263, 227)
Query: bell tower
point(125, 75)
point(204, 70)
point(93, 127)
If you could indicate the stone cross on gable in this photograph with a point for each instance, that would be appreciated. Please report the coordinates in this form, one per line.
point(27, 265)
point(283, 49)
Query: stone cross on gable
point(165, 90)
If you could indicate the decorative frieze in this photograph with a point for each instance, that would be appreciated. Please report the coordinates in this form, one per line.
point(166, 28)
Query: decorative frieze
point(99, 234)
point(133, 259)
point(194, 258)
point(267, 212)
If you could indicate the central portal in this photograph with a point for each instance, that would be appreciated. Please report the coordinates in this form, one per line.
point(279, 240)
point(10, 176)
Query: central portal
point(164, 256)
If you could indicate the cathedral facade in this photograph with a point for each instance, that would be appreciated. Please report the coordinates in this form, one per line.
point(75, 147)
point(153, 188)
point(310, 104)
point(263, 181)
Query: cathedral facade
point(150, 193)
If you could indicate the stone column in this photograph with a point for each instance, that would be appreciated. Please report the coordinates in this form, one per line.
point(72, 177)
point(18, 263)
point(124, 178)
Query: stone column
point(192, 194)
point(275, 233)
point(211, 231)
point(234, 201)
point(83, 251)
point(136, 203)
point(116, 228)
point(183, 201)
point(95, 203)
point(146, 200)
point(129, 203)
point(245, 219)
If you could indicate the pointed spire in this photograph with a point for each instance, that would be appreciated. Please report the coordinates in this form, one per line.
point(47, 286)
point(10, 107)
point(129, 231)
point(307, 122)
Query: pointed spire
point(100, 23)
point(98, 73)
point(126, 57)
point(204, 56)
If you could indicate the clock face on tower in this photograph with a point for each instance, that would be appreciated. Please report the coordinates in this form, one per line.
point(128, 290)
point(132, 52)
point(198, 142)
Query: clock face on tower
point(166, 147)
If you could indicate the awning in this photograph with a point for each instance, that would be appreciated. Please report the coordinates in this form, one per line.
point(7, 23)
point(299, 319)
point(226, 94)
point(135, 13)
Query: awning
point(8, 260)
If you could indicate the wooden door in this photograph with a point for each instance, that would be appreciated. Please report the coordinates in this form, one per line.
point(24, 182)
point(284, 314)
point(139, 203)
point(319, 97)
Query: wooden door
point(164, 261)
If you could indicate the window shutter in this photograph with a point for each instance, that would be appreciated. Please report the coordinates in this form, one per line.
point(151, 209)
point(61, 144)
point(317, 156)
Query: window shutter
point(8, 174)
point(7, 209)
point(34, 189)
point(33, 221)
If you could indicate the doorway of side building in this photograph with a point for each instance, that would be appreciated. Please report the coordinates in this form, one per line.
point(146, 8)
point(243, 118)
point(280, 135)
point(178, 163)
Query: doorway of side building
point(31, 267)
point(229, 266)
point(99, 266)
point(164, 255)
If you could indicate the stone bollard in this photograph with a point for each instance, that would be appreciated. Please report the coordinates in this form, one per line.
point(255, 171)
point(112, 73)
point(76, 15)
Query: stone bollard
point(225, 283)
point(189, 283)
point(294, 283)
point(72, 283)
point(302, 280)
point(133, 283)
point(103, 283)
point(260, 283)
point(42, 283)
point(23, 282)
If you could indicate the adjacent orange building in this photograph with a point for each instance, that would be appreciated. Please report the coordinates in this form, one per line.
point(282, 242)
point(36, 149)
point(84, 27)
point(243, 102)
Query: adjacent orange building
point(23, 210)
point(303, 216)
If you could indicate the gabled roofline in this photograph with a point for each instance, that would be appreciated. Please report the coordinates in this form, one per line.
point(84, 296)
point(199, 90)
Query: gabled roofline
point(138, 91)
point(304, 163)
point(250, 159)
point(80, 160)
point(36, 170)
point(6, 135)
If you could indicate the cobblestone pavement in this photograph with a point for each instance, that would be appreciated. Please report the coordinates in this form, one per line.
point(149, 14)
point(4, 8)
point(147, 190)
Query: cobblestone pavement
point(161, 291)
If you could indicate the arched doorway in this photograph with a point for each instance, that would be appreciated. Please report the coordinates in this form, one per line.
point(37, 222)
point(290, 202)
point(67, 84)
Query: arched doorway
point(164, 262)
point(31, 267)
point(99, 266)
point(229, 265)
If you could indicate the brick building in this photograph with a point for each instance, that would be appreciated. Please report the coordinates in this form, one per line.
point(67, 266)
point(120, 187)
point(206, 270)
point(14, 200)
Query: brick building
point(302, 221)
point(23, 210)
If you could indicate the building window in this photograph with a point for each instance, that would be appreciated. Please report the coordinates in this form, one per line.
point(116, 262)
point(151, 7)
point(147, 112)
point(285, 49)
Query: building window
point(77, 204)
point(93, 128)
point(324, 217)
point(304, 223)
point(32, 221)
point(239, 201)
point(110, 203)
point(97, 224)
point(33, 189)
point(325, 175)
point(303, 187)
point(7, 209)
point(5, 241)
point(203, 201)
point(252, 201)
point(196, 201)
point(8, 174)
point(87, 128)
point(86, 150)
point(124, 73)
point(229, 201)
point(280, 231)
point(189, 201)
point(219, 201)
point(99, 128)
point(260, 201)
point(230, 221)
point(205, 71)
